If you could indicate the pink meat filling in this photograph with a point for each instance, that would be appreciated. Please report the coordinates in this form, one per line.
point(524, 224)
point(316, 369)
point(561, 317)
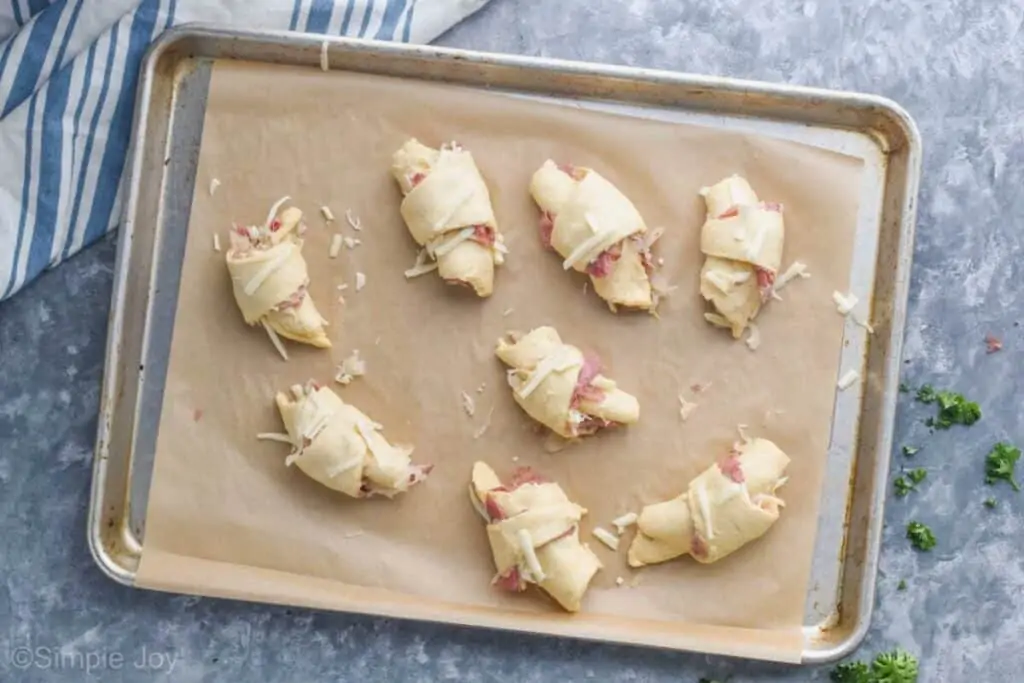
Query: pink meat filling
point(733, 211)
point(416, 178)
point(510, 581)
point(585, 390)
point(698, 546)
point(732, 468)
point(484, 234)
point(605, 261)
point(547, 226)
point(765, 282)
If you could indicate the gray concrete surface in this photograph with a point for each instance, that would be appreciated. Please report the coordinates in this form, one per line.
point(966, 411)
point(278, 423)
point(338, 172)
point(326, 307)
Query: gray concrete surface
point(956, 65)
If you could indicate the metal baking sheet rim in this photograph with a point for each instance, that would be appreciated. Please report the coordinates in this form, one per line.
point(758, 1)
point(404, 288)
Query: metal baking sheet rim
point(116, 547)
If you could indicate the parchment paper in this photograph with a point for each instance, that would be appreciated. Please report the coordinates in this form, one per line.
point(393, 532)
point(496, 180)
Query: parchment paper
point(225, 516)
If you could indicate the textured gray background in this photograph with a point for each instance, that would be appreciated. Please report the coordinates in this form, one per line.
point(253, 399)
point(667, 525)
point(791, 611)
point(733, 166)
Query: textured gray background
point(955, 64)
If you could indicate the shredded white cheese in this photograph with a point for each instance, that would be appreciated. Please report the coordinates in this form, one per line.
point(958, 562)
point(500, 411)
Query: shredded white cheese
point(586, 247)
point(686, 408)
point(360, 281)
point(273, 211)
point(274, 436)
point(619, 581)
point(342, 287)
point(753, 341)
point(449, 241)
point(325, 64)
point(530, 555)
point(795, 270)
point(480, 389)
point(507, 312)
point(421, 267)
point(351, 242)
point(335, 246)
point(353, 366)
point(216, 242)
point(483, 428)
point(468, 404)
point(847, 380)
point(327, 214)
point(269, 267)
point(606, 537)
point(623, 522)
point(844, 304)
point(353, 220)
point(214, 184)
point(275, 340)
point(560, 360)
point(864, 323)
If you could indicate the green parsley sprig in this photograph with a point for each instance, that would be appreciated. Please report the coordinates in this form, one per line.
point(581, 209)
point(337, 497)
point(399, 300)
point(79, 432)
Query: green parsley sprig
point(921, 536)
point(896, 666)
point(1000, 464)
point(954, 409)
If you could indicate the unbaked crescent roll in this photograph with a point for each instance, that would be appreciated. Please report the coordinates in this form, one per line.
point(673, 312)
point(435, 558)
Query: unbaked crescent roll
point(447, 208)
point(727, 506)
point(533, 529)
point(339, 446)
point(596, 230)
point(270, 280)
point(742, 239)
point(561, 387)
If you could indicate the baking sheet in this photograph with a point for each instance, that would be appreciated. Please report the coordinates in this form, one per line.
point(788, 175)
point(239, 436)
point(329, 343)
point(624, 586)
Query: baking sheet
point(219, 496)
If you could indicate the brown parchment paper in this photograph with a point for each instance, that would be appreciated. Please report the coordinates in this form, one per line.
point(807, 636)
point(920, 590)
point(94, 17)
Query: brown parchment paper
point(225, 517)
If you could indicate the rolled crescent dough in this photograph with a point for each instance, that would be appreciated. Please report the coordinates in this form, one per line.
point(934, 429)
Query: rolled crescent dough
point(596, 230)
point(742, 239)
point(339, 446)
point(727, 506)
point(269, 279)
point(533, 530)
point(447, 208)
point(561, 387)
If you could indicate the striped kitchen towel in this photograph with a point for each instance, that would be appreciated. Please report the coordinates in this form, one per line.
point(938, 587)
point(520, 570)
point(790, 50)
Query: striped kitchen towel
point(68, 70)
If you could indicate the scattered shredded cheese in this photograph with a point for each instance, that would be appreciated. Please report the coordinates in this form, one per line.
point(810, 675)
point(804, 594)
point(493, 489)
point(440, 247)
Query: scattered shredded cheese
point(350, 368)
point(623, 522)
point(275, 340)
point(353, 220)
point(847, 380)
point(753, 341)
point(686, 408)
point(273, 436)
point(844, 304)
point(325, 65)
point(530, 555)
point(216, 242)
point(619, 581)
point(795, 270)
point(468, 404)
point(214, 184)
point(351, 242)
point(360, 281)
point(864, 323)
point(327, 214)
point(342, 287)
point(483, 428)
point(661, 262)
point(449, 241)
point(335, 246)
point(507, 312)
point(606, 537)
point(421, 267)
point(273, 211)
point(561, 360)
point(480, 389)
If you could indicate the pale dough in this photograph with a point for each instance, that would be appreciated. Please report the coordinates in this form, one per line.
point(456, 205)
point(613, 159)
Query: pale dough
point(560, 387)
point(730, 504)
point(533, 530)
point(269, 279)
point(339, 446)
point(742, 239)
point(448, 211)
point(596, 230)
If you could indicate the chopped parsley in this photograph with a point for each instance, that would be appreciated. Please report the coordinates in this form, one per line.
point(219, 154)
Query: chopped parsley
point(921, 537)
point(889, 667)
point(902, 487)
point(990, 502)
point(1000, 464)
point(917, 475)
point(904, 388)
point(902, 585)
point(954, 409)
point(910, 450)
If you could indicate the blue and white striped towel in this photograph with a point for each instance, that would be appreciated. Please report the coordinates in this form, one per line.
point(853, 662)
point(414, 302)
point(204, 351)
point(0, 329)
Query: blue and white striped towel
point(68, 70)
